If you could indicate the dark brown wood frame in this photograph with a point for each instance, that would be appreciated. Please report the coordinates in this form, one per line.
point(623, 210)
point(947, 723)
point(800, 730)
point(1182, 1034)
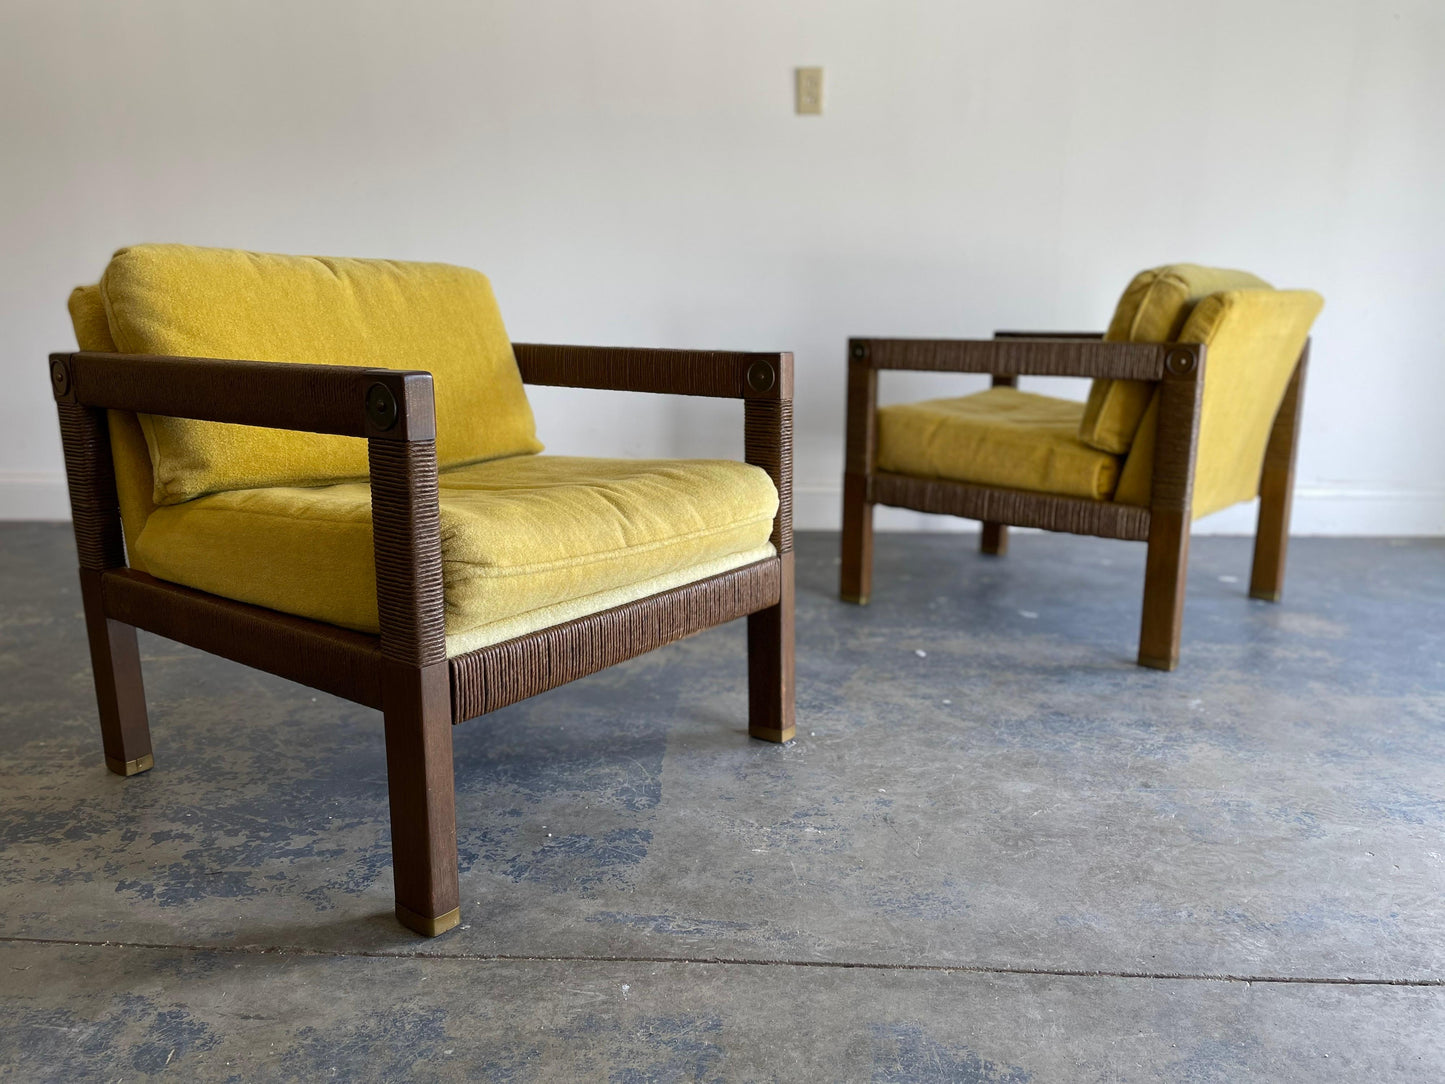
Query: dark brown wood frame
point(1164, 525)
point(405, 671)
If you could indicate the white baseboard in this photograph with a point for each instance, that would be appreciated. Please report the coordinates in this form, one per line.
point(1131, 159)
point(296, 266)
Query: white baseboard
point(1317, 511)
point(34, 495)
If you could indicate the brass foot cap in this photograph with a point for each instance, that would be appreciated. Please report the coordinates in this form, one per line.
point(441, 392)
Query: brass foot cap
point(1267, 596)
point(1157, 663)
point(860, 600)
point(773, 735)
point(131, 767)
point(428, 927)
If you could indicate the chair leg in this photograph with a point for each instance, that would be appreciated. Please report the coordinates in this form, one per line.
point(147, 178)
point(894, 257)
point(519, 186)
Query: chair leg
point(119, 691)
point(770, 665)
point(1271, 539)
point(995, 539)
point(1276, 491)
point(856, 578)
point(1171, 499)
point(1166, 570)
point(417, 706)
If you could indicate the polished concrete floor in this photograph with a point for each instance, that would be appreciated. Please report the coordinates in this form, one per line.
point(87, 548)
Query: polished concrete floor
point(997, 852)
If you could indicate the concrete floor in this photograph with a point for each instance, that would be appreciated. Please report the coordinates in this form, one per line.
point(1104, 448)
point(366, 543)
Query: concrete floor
point(998, 852)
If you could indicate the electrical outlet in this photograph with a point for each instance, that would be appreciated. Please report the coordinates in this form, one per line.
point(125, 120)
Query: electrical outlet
point(808, 91)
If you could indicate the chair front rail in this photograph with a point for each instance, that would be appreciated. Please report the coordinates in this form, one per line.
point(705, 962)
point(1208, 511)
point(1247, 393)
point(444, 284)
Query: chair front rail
point(1015, 356)
point(493, 677)
point(335, 660)
point(1012, 507)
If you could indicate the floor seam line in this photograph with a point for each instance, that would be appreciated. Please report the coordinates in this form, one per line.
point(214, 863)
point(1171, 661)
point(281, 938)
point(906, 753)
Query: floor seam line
point(727, 961)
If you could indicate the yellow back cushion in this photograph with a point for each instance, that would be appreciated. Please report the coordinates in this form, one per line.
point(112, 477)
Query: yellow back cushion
point(1254, 338)
point(1153, 309)
point(222, 303)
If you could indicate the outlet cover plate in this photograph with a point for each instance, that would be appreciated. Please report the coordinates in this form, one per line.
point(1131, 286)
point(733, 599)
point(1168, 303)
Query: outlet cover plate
point(808, 91)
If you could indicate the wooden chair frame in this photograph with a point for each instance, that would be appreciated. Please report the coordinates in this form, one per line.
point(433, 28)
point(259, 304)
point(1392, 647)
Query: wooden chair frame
point(1164, 524)
point(405, 670)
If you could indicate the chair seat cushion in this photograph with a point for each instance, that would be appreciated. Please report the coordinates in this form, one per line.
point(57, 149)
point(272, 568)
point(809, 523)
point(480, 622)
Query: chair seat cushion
point(1000, 437)
point(527, 542)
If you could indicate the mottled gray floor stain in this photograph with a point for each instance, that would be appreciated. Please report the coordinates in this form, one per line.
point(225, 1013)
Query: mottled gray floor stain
point(981, 828)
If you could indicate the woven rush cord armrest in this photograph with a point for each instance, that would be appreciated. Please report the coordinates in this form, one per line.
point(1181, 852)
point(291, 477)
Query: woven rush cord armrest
point(1010, 356)
point(717, 374)
point(1048, 334)
point(347, 400)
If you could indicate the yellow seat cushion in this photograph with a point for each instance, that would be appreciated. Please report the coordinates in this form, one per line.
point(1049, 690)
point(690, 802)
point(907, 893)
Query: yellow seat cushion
point(1153, 309)
point(222, 303)
point(1253, 340)
point(527, 541)
point(1000, 437)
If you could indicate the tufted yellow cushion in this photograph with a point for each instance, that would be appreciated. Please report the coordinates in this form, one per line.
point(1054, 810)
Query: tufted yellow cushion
point(1153, 309)
point(526, 542)
point(1000, 437)
point(203, 302)
point(1254, 338)
point(133, 481)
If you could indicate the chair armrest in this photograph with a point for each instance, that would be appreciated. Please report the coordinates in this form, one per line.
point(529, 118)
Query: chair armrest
point(1048, 334)
point(763, 381)
point(337, 399)
point(1023, 357)
point(717, 374)
point(392, 409)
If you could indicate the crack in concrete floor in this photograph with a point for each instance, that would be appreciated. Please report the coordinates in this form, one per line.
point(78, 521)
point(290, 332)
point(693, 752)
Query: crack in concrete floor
point(970, 969)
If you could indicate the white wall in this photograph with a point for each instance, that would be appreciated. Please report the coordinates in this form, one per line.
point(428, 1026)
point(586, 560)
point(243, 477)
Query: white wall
point(631, 172)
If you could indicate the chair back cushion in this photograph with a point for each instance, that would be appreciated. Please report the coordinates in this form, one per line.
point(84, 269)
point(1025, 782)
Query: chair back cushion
point(1154, 308)
point(1253, 340)
point(222, 303)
